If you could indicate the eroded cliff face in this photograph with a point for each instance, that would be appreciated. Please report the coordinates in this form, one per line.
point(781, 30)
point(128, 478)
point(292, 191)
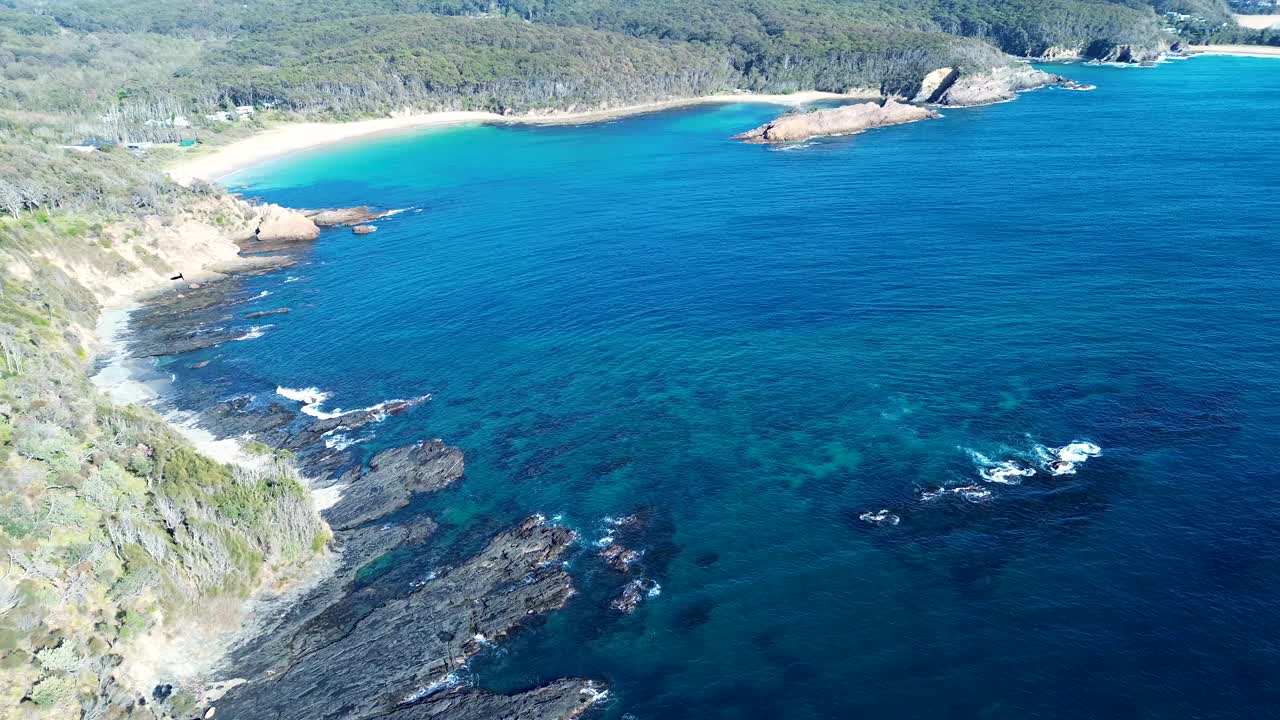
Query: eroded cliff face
point(137, 256)
point(837, 121)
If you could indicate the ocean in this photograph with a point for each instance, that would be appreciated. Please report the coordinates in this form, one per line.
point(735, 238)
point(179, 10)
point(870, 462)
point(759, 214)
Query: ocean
point(753, 350)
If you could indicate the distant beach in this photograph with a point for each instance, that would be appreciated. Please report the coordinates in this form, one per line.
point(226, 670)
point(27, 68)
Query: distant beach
point(292, 137)
point(1238, 50)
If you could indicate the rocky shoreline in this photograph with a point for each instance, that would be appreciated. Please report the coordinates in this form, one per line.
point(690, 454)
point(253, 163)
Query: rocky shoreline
point(395, 654)
point(948, 87)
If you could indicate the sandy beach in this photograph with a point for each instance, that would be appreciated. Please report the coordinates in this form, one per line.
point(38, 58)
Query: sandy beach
point(1239, 50)
point(220, 162)
point(1257, 22)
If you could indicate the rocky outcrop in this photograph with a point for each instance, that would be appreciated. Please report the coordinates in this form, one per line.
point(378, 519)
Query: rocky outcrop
point(364, 229)
point(281, 225)
point(264, 313)
point(393, 476)
point(1103, 51)
point(633, 593)
point(344, 216)
point(560, 700)
point(836, 121)
point(995, 85)
point(401, 653)
point(619, 558)
point(1108, 52)
point(935, 84)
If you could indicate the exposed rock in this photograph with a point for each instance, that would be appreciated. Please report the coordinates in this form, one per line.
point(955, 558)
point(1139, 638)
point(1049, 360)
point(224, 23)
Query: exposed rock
point(996, 85)
point(364, 229)
point(198, 365)
point(182, 341)
point(935, 84)
point(634, 592)
point(393, 476)
point(401, 649)
point(344, 216)
point(264, 313)
point(837, 121)
point(1107, 52)
point(238, 416)
point(560, 700)
point(282, 225)
point(619, 558)
point(325, 613)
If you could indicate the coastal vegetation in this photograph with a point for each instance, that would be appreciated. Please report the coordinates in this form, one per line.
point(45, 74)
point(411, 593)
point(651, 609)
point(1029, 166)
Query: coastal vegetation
point(112, 526)
point(125, 70)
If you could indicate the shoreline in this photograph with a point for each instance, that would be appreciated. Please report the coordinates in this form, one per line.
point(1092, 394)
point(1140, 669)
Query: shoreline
point(1259, 51)
point(289, 138)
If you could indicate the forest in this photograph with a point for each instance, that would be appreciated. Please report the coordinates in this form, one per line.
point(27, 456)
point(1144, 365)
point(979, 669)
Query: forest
point(124, 69)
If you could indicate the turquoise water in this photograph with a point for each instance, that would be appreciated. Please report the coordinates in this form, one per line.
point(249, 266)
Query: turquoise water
point(752, 347)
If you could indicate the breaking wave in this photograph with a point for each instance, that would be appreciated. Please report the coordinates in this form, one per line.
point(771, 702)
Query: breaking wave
point(312, 398)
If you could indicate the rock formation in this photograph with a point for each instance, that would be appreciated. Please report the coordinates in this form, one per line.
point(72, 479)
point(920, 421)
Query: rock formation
point(560, 700)
point(344, 216)
point(996, 85)
point(279, 224)
point(837, 121)
point(264, 313)
point(393, 476)
point(401, 653)
point(935, 84)
point(364, 229)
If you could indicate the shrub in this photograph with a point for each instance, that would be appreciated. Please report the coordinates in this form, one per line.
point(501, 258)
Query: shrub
point(40, 440)
point(54, 691)
point(61, 659)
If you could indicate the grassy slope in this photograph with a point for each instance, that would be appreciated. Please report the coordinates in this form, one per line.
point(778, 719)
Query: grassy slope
point(110, 523)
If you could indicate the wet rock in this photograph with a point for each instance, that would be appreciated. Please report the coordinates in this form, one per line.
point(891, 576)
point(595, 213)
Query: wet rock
point(619, 558)
point(392, 477)
point(633, 593)
point(836, 121)
point(344, 216)
point(198, 365)
point(239, 416)
point(364, 229)
point(264, 313)
point(560, 700)
point(182, 341)
point(396, 651)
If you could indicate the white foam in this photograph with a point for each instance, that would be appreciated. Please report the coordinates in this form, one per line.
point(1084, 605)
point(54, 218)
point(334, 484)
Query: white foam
point(254, 333)
point(654, 590)
point(292, 278)
point(448, 681)
point(883, 517)
point(311, 399)
point(338, 441)
point(593, 695)
point(1006, 472)
point(1078, 451)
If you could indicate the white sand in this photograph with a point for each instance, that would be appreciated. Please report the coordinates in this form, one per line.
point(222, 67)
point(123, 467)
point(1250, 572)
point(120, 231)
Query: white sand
point(292, 137)
point(1257, 22)
point(1238, 50)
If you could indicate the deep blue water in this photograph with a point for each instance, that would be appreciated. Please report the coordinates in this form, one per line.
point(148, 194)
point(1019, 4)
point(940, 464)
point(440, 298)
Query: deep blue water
point(752, 347)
